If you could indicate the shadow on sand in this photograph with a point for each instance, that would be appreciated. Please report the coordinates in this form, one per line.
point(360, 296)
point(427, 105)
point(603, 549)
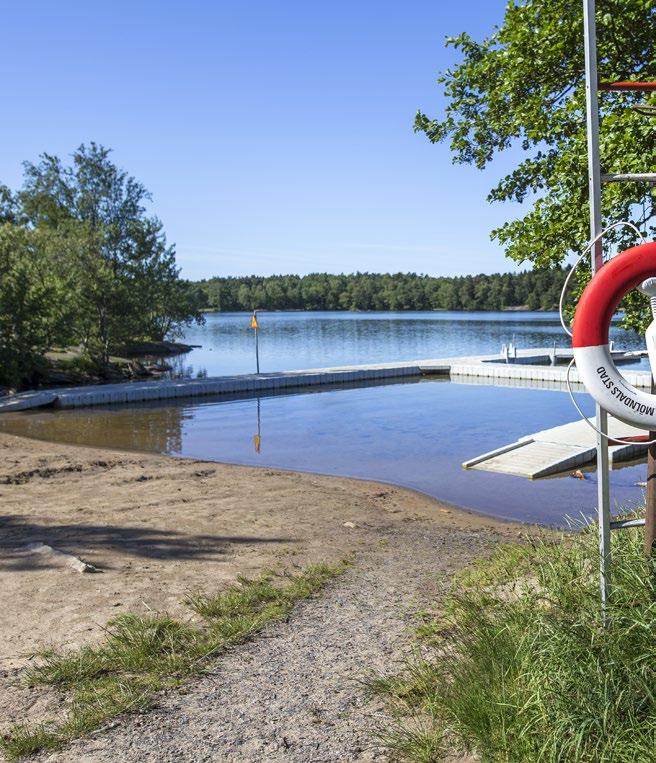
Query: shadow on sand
point(146, 542)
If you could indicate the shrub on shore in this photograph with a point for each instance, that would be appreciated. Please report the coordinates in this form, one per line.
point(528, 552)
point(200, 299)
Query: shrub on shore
point(523, 668)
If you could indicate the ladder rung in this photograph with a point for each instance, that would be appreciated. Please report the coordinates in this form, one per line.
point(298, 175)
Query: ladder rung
point(620, 524)
point(627, 177)
point(639, 86)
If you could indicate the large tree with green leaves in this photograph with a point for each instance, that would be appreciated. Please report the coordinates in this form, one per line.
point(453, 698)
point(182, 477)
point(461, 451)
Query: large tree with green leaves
point(82, 262)
point(523, 87)
point(125, 276)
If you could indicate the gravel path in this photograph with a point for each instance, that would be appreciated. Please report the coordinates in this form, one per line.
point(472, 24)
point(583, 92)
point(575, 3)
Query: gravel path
point(295, 693)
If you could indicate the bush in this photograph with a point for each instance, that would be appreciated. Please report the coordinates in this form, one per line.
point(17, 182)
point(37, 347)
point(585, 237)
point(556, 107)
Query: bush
point(526, 670)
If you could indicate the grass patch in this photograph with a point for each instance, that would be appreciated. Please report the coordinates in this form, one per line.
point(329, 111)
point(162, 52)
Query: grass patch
point(524, 669)
point(141, 656)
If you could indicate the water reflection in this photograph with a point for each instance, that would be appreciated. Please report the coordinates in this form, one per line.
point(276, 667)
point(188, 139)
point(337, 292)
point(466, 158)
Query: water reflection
point(152, 429)
point(414, 433)
point(257, 437)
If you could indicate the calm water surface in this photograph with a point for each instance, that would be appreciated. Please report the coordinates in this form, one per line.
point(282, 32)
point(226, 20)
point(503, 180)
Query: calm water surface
point(310, 340)
point(414, 434)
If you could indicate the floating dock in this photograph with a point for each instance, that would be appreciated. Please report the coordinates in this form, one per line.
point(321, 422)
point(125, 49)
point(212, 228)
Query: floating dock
point(526, 368)
point(558, 450)
point(139, 391)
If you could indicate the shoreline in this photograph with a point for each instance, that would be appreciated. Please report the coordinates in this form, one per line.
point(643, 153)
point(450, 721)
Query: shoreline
point(160, 527)
point(439, 502)
point(44, 483)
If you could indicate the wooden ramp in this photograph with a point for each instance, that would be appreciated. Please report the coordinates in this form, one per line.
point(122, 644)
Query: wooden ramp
point(557, 450)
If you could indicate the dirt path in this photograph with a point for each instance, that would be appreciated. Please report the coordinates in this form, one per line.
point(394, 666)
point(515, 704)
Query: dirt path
point(295, 693)
point(159, 528)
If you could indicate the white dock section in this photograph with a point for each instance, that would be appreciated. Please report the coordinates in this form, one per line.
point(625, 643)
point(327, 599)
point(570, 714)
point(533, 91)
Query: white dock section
point(557, 450)
point(25, 400)
point(531, 365)
point(129, 392)
point(521, 371)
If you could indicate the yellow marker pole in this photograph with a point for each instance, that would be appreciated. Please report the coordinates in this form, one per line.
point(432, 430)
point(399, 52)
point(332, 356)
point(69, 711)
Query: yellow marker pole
point(255, 328)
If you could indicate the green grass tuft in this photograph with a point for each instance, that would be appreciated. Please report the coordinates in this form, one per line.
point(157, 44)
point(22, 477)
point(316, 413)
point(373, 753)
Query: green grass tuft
point(24, 741)
point(526, 670)
point(143, 655)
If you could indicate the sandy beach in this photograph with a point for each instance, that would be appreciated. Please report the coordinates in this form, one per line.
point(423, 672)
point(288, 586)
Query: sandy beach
point(157, 528)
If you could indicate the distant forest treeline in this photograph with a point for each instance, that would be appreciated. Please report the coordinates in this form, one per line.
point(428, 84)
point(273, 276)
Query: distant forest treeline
point(534, 290)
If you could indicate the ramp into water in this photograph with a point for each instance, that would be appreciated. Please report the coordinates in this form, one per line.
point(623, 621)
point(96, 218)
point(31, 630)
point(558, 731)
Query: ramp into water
point(557, 450)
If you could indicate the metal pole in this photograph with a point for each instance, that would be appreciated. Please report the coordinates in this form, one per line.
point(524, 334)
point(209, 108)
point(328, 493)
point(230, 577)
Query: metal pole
point(592, 126)
point(650, 505)
point(594, 185)
point(256, 329)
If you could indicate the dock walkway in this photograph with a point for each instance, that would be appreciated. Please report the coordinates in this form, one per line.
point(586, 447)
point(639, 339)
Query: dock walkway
point(524, 370)
point(130, 392)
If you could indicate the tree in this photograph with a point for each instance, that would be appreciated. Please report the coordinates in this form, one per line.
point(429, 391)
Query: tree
point(35, 303)
point(127, 281)
point(376, 291)
point(8, 206)
point(161, 303)
point(83, 263)
point(523, 88)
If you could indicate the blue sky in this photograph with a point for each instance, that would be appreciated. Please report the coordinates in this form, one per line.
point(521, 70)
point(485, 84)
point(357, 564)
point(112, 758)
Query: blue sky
point(275, 137)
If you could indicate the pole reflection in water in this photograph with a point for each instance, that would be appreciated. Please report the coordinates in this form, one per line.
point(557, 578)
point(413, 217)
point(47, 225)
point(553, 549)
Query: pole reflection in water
point(257, 439)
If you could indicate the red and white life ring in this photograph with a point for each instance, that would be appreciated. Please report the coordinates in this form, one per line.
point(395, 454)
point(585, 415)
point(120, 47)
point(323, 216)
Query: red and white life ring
point(592, 318)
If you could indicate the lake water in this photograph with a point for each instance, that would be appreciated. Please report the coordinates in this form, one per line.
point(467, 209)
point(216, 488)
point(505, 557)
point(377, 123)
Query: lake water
point(415, 433)
point(308, 340)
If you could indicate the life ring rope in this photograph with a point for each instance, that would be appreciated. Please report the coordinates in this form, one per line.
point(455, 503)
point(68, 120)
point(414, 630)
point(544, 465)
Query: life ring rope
point(585, 418)
point(584, 254)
